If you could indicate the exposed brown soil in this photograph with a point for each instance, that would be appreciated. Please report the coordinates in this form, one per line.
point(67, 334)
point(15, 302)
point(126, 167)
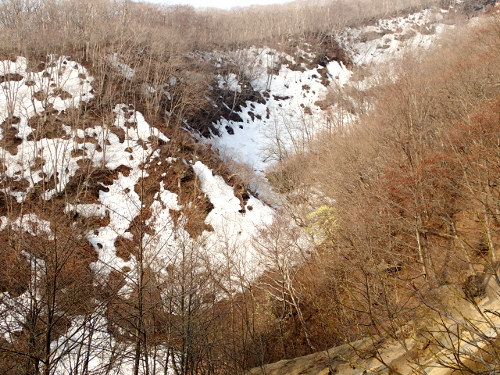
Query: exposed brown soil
point(10, 140)
point(11, 77)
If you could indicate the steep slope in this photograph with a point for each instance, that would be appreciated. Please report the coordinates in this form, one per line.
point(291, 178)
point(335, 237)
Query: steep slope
point(68, 179)
point(292, 89)
point(129, 246)
point(464, 330)
point(455, 329)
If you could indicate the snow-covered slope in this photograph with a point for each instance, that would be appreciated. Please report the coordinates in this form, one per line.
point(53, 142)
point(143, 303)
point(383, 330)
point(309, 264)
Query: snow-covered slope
point(390, 39)
point(56, 86)
point(128, 145)
point(289, 116)
point(291, 113)
point(96, 170)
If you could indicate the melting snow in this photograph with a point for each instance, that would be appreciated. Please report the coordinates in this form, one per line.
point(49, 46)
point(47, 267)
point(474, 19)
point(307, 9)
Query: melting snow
point(121, 67)
point(61, 84)
point(284, 124)
point(31, 224)
point(391, 38)
point(17, 98)
point(230, 82)
point(291, 116)
point(232, 229)
point(339, 73)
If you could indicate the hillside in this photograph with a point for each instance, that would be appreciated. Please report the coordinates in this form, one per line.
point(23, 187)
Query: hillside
point(189, 192)
point(413, 351)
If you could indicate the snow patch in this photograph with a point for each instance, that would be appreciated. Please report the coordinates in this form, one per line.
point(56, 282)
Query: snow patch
point(229, 82)
point(30, 223)
point(122, 68)
point(233, 230)
point(62, 84)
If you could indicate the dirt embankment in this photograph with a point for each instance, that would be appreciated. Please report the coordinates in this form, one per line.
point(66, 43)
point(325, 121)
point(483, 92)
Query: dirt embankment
point(454, 334)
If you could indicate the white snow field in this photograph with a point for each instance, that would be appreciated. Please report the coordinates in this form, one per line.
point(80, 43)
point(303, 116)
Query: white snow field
point(291, 115)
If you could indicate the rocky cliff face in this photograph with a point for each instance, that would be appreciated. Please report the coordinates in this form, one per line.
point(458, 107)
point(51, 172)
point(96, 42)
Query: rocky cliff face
point(455, 334)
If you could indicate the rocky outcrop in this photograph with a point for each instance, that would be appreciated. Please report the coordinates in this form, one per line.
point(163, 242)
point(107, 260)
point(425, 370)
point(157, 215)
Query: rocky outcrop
point(454, 325)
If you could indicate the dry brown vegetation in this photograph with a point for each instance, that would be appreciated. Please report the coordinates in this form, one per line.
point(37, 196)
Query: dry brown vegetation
point(158, 42)
point(414, 184)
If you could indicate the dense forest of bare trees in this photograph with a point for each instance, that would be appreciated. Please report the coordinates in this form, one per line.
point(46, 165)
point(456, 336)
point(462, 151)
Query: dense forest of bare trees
point(414, 186)
point(378, 223)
